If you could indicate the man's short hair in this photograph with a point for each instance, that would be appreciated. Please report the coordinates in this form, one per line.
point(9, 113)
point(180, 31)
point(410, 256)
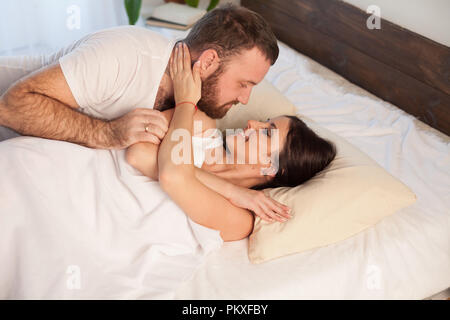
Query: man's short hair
point(229, 29)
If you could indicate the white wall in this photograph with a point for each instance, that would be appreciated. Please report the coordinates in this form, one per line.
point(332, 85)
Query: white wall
point(430, 18)
point(41, 26)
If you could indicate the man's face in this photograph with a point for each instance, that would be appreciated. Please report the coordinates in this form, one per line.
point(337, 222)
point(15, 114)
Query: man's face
point(232, 83)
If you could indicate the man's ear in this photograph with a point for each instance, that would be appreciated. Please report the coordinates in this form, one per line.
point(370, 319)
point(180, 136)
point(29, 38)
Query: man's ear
point(209, 62)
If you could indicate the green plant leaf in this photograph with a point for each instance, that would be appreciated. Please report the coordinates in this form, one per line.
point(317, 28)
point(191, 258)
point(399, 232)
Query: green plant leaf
point(212, 4)
point(133, 8)
point(192, 3)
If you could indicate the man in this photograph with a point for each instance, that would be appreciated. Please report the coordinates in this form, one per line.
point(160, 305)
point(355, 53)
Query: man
point(107, 90)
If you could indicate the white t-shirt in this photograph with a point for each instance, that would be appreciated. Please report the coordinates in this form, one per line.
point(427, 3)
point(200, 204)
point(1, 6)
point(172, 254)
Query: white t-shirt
point(113, 71)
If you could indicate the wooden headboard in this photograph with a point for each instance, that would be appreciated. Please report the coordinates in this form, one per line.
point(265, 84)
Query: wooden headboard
point(395, 64)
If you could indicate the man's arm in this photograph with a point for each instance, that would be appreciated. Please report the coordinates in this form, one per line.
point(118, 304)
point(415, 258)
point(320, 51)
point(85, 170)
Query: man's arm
point(43, 105)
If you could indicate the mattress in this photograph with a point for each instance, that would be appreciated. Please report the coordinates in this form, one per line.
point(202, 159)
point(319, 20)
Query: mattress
point(405, 256)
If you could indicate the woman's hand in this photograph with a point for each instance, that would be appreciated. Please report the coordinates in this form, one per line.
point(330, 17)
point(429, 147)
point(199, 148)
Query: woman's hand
point(263, 206)
point(187, 83)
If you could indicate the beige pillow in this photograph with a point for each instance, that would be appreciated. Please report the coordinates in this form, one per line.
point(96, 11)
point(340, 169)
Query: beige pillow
point(353, 193)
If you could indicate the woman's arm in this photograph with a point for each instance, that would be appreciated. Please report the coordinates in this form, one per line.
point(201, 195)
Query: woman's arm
point(143, 156)
point(254, 200)
point(201, 204)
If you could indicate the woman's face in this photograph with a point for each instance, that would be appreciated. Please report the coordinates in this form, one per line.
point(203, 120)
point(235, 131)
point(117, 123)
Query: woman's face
point(257, 143)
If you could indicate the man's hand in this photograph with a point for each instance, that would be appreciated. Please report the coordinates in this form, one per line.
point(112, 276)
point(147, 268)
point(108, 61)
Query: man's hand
point(139, 125)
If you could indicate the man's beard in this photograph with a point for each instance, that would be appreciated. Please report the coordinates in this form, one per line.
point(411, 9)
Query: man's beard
point(165, 101)
point(208, 102)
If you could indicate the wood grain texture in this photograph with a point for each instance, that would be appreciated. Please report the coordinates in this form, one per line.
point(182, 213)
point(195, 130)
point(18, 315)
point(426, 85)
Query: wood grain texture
point(395, 64)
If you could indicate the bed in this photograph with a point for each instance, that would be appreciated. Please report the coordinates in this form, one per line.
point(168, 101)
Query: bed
point(409, 252)
point(405, 256)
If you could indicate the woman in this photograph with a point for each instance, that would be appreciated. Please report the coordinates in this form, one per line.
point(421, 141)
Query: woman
point(217, 196)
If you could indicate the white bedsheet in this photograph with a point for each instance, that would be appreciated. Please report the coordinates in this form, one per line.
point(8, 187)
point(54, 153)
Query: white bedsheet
point(405, 256)
point(81, 223)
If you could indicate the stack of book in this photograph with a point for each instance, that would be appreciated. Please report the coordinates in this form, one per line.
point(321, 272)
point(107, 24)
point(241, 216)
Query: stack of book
point(175, 16)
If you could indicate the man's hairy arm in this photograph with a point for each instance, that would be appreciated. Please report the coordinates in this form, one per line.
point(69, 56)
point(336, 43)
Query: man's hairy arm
point(43, 105)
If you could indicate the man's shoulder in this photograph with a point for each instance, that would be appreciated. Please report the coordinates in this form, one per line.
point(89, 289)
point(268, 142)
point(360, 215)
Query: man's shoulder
point(132, 33)
point(129, 30)
point(126, 38)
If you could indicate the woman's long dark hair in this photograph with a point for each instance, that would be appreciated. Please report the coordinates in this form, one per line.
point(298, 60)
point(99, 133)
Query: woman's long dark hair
point(304, 155)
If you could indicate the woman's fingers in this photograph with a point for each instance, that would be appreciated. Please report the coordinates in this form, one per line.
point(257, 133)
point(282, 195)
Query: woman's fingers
point(260, 213)
point(180, 62)
point(269, 212)
point(187, 58)
point(278, 208)
point(174, 61)
point(171, 66)
point(179, 57)
point(273, 208)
